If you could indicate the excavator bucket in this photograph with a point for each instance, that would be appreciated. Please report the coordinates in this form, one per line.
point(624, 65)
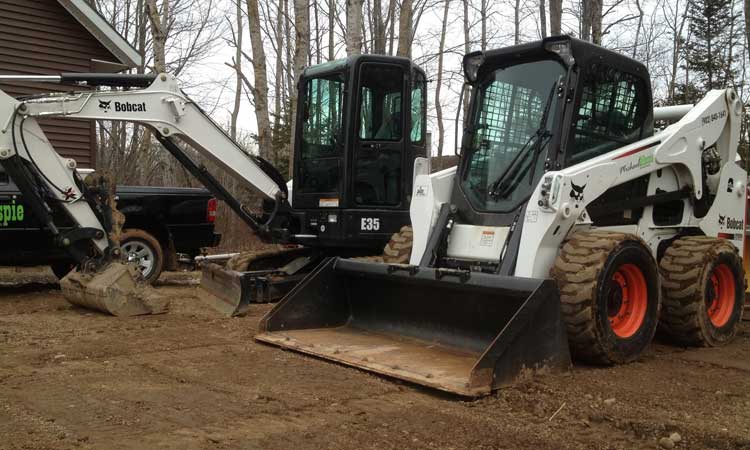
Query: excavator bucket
point(249, 278)
point(460, 332)
point(118, 289)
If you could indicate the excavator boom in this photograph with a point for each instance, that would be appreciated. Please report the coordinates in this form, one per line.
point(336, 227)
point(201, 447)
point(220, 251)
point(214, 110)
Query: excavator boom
point(46, 179)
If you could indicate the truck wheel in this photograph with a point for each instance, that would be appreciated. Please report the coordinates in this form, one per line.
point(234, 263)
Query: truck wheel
point(61, 269)
point(609, 288)
point(703, 287)
point(398, 249)
point(143, 248)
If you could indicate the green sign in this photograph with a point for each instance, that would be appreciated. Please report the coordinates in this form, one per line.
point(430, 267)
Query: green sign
point(10, 213)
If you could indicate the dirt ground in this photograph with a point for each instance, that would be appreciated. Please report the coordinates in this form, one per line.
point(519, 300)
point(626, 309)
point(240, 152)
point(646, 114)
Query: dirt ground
point(73, 379)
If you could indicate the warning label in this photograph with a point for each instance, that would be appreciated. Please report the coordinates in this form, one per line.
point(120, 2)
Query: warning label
point(487, 239)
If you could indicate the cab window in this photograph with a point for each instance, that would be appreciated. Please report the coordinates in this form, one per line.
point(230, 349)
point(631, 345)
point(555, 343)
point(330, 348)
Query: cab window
point(380, 103)
point(611, 113)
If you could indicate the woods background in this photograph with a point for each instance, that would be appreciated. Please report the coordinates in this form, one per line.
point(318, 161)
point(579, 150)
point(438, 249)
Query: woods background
point(240, 58)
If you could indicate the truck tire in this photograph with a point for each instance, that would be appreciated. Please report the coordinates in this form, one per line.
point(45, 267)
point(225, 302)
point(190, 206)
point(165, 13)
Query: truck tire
point(398, 249)
point(143, 248)
point(609, 289)
point(703, 288)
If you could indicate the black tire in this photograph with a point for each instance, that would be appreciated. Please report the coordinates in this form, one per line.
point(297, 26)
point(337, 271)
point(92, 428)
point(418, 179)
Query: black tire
point(136, 238)
point(695, 269)
point(609, 289)
point(398, 249)
point(61, 269)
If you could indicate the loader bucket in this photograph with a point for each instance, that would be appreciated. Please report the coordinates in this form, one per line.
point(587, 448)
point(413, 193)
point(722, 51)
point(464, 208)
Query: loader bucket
point(118, 290)
point(269, 277)
point(454, 331)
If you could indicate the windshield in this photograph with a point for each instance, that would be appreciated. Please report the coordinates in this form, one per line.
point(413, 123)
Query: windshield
point(322, 134)
point(504, 128)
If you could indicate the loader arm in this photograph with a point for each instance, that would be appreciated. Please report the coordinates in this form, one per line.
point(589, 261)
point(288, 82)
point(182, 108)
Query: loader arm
point(713, 122)
point(160, 105)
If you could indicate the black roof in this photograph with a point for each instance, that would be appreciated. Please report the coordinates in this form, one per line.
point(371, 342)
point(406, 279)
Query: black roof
point(584, 54)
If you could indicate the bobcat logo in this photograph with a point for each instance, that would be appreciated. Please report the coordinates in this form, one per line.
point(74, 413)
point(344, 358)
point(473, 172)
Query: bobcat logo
point(576, 193)
point(105, 105)
point(722, 220)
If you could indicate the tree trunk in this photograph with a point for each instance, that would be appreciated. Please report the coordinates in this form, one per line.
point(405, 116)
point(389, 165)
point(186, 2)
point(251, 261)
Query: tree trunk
point(747, 22)
point(483, 14)
point(467, 50)
point(238, 73)
point(585, 27)
point(404, 29)
point(301, 50)
point(331, 27)
point(391, 25)
point(378, 28)
point(438, 85)
point(555, 17)
point(542, 19)
point(596, 21)
point(517, 23)
point(158, 32)
point(353, 27)
point(260, 88)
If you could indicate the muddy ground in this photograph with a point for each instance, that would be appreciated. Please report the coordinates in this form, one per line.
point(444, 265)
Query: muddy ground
point(73, 379)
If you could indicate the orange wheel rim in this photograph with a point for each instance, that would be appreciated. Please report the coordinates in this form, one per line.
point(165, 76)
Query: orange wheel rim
point(720, 295)
point(627, 301)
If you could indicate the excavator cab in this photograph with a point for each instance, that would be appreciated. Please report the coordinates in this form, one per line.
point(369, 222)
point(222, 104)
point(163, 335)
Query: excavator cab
point(360, 125)
point(470, 313)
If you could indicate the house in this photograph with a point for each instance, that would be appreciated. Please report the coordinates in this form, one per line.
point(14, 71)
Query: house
point(48, 37)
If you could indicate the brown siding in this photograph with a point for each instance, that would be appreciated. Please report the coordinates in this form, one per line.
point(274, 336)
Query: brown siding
point(39, 37)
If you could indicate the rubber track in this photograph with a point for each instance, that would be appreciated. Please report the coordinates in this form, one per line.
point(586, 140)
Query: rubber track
point(682, 293)
point(576, 270)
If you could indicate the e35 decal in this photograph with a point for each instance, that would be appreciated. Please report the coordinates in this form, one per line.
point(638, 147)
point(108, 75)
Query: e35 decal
point(370, 224)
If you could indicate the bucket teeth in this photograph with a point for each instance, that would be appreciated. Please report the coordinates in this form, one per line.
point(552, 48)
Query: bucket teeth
point(116, 290)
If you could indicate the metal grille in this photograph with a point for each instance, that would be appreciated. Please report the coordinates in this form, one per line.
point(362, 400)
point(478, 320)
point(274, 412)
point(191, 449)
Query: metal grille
point(510, 115)
point(610, 112)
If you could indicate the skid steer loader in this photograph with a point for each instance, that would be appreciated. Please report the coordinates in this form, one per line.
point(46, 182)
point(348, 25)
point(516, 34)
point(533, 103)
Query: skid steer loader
point(571, 226)
point(352, 190)
point(360, 124)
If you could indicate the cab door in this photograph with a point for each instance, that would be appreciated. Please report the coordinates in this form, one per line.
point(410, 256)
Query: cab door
point(320, 156)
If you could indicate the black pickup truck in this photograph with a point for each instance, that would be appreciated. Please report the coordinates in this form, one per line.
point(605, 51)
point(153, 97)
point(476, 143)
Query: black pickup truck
point(162, 225)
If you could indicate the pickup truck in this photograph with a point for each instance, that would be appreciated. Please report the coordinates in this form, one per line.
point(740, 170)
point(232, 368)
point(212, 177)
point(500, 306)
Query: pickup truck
point(163, 227)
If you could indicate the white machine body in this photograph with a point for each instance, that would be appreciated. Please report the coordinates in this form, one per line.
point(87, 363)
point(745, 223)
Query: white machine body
point(672, 157)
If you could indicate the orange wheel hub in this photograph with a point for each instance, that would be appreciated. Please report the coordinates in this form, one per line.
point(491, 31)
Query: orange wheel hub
point(627, 301)
point(720, 295)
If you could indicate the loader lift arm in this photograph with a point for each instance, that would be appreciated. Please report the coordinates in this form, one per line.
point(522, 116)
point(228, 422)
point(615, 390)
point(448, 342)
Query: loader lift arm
point(156, 102)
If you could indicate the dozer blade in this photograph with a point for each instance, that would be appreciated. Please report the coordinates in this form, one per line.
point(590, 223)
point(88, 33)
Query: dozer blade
point(118, 290)
point(460, 332)
point(232, 292)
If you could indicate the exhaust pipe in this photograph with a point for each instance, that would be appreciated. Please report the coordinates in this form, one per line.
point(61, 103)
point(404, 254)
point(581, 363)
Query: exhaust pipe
point(456, 331)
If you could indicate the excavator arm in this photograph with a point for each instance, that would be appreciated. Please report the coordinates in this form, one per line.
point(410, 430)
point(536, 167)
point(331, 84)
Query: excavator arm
point(48, 180)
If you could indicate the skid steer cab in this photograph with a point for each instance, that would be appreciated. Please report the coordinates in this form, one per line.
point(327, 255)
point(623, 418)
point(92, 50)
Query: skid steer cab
point(360, 125)
point(570, 227)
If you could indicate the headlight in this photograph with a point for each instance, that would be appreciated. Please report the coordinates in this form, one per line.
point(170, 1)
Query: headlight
point(472, 62)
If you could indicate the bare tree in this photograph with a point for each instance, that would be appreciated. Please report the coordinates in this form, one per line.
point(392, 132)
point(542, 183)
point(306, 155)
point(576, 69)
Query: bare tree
point(542, 19)
point(555, 17)
point(405, 28)
point(438, 86)
point(301, 50)
point(259, 88)
point(354, 26)
point(237, 64)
